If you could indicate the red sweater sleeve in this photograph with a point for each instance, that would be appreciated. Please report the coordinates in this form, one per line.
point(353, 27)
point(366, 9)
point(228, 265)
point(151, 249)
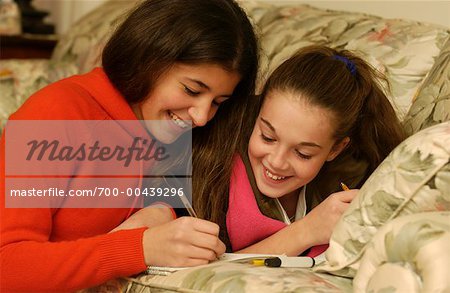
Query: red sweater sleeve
point(30, 260)
point(30, 263)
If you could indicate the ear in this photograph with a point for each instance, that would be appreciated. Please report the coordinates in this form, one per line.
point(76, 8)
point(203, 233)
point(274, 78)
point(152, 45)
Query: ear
point(338, 148)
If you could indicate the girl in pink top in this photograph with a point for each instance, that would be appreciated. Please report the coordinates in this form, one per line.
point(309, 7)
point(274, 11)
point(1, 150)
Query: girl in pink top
point(323, 118)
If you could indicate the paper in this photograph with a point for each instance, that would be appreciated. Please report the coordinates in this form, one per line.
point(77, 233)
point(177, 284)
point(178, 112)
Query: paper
point(226, 257)
point(244, 256)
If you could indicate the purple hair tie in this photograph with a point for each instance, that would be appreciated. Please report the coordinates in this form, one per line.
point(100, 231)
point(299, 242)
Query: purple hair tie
point(350, 65)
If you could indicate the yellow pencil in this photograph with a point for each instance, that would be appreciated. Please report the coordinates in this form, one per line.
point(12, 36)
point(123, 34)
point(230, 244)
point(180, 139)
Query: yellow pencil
point(257, 262)
point(344, 187)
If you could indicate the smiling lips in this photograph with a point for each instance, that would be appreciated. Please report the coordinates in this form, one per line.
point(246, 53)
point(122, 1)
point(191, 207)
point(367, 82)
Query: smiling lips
point(274, 177)
point(178, 121)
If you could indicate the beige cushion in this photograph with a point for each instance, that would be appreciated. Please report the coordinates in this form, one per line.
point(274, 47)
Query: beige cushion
point(432, 102)
point(404, 50)
point(414, 178)
point(409, 254)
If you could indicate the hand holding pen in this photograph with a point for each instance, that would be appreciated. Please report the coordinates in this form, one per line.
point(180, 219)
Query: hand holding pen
point(322, 220)
point(184, 242)
point(344, 187)
point(188, 206)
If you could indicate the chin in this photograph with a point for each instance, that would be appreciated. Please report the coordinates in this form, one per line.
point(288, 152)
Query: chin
point(270, 192)
point(166, 138)
point(162, 133)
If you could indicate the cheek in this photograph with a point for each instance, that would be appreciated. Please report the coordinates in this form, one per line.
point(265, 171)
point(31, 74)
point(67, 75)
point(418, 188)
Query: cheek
point(255, 147)
point(212, 112)
point(168, 98)
point(308, 170)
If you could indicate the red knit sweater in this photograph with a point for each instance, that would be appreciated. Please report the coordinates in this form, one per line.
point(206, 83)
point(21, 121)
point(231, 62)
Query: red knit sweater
point(67, 249)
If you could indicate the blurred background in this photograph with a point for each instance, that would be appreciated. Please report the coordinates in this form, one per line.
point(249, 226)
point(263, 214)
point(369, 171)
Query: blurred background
point(31, 28)
point(56, 16)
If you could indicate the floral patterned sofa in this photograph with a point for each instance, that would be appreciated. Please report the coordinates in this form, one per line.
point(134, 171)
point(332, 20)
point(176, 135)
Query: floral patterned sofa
point(395, 237)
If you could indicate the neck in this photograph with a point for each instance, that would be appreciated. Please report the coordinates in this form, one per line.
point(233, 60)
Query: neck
point(289, 202)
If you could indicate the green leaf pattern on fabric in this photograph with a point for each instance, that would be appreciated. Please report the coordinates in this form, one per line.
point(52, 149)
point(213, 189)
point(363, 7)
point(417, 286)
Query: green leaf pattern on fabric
point(431, 104)
point(396, 47)
point(404, 245)
point(242, 277)
point(413, 179)
point(410, 254)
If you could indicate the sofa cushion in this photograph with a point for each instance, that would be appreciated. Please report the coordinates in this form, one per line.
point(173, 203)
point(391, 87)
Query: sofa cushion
point(25, 77)
point(404, 50)
point(83, 44)
point(414, 178)
point(432, 103)
point(20, 79)
point(410, 254)
point(232, 277)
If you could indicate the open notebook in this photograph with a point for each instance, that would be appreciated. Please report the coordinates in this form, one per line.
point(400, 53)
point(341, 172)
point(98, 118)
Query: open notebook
point(300, 261)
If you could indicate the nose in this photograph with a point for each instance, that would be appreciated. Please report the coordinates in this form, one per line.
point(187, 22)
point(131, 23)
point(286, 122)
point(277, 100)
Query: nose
point(201, 113)
point(277, 159)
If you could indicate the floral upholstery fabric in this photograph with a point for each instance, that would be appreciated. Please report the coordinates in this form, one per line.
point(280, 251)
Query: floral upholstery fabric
point(432, 104)
point(404, 50)
point(235, 277)
point(82, 45)
point(18, 80)
point(409, 254)
point(414, 178)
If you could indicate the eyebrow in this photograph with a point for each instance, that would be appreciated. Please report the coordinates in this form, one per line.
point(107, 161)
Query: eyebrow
point(305, 143)
point(205, 86)
point(201, 84)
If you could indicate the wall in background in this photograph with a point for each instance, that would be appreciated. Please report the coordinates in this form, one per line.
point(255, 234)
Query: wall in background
point(432, 11)
point(63, 13)
point(66, 12)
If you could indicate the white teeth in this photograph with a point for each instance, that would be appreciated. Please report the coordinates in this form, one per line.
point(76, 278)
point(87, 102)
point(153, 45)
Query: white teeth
point(177, 120)
point(274, 177)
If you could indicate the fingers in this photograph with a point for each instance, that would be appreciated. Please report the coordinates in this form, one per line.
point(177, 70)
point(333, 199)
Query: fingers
point(211, 243)
point(196, 252)
point(205, 226)
point(204, 234)
point(346, 196)
point(185, 241)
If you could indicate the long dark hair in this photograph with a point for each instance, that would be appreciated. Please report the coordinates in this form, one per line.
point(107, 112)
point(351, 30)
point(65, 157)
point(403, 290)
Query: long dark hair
point(159, 33)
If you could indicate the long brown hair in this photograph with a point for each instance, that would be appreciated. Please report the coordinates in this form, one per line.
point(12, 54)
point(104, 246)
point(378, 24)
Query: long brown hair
point(160, 33)
point(351, 89)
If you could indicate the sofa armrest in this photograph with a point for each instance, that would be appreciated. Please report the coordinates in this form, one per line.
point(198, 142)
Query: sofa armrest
point(19, 79)
point(409, 254)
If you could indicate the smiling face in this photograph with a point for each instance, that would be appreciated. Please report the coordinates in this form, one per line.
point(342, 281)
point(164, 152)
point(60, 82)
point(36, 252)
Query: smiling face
point(185, 96)
point(291, 141)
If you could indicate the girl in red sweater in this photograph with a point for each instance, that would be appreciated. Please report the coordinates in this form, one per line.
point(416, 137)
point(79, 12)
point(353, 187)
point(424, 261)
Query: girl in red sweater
point(179, 62)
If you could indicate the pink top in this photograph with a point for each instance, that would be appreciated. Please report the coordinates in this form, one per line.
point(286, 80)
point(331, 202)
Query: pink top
point(246, 224)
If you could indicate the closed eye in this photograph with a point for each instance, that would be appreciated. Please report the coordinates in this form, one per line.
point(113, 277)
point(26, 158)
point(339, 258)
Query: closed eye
point(266, 138)
point(190, 91)
point(302, 156)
